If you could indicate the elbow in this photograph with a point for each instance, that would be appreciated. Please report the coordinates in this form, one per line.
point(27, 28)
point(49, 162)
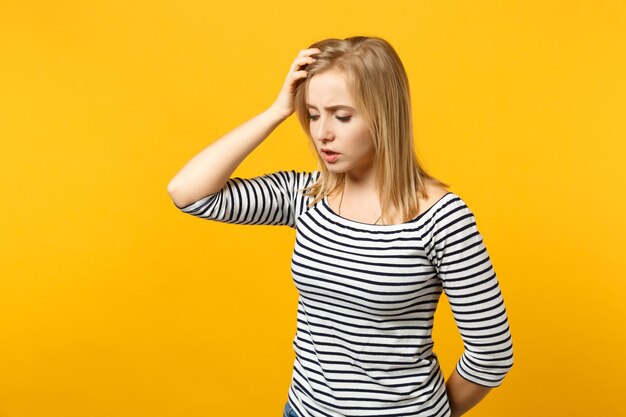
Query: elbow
point(505, 367)
point(174, 195)
point(505, 358)
point(171, 187)
point(508, 365)
point(488, 369)
point(504, 363)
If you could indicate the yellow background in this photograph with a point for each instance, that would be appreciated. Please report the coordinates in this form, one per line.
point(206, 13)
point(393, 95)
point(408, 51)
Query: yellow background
point(114, 303)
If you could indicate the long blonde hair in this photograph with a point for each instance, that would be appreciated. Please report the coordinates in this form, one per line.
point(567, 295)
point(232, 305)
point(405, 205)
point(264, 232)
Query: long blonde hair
point(379, 86)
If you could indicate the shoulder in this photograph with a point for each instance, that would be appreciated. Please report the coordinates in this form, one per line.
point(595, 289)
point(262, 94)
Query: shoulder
point(434, 193)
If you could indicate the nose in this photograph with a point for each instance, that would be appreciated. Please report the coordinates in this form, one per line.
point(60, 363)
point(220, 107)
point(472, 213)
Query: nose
point(321, 130)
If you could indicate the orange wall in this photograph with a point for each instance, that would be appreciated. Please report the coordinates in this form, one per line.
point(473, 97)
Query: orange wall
point(114, 303)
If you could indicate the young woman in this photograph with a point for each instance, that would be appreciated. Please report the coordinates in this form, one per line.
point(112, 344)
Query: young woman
point(377, 241)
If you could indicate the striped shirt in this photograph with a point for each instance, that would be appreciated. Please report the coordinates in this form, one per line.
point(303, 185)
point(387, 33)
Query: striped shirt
point(367, 296)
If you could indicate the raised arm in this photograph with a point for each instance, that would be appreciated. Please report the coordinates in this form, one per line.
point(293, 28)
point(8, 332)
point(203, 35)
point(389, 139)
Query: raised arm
point(207, 172)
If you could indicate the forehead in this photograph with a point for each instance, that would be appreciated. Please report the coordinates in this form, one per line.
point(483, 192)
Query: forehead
point(328, 87)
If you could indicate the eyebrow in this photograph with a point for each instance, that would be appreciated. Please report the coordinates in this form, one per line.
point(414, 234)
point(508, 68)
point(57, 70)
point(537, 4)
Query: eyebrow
point(337, 106)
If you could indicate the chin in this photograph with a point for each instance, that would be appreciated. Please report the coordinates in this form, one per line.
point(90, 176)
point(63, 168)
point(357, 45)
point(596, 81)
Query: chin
point(335, 169)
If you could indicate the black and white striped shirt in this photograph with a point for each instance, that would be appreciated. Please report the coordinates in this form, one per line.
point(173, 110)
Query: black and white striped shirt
point(368, 295)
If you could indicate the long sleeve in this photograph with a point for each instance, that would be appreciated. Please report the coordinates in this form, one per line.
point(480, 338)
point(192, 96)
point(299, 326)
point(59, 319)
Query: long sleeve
point(459, 255)
point(269, 199)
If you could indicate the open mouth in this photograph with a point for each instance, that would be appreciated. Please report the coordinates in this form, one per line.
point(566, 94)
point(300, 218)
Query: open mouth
point(330, 157)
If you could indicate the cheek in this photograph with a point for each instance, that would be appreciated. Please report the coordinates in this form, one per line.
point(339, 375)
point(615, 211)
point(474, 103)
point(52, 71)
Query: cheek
point(366, 140)
point(361, 135)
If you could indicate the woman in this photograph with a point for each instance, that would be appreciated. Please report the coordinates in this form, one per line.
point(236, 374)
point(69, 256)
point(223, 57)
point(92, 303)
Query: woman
point(377, 241)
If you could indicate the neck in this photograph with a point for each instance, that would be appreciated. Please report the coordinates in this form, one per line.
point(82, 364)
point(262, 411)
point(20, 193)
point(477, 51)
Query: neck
point(341, 201)
point(360, 184)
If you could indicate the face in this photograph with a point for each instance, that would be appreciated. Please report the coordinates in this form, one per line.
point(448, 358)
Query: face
point(337, 126)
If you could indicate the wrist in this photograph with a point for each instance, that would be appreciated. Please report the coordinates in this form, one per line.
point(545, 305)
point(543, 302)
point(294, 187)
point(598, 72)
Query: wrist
point(278, 114)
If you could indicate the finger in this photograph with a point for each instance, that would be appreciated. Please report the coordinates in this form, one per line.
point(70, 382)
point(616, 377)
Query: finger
point(305, 52)
point(298, 74)
point(304, 60)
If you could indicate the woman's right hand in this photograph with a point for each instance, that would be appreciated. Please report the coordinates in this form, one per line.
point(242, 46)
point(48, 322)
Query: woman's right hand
point(283, 104)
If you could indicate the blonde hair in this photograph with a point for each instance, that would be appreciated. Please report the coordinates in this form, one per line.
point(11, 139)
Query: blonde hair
point(379, 86)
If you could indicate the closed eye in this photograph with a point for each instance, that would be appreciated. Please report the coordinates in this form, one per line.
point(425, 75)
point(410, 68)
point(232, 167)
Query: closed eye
point(343, 119)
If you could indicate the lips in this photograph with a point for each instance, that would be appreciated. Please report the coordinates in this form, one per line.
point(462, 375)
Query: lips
point(330, 156)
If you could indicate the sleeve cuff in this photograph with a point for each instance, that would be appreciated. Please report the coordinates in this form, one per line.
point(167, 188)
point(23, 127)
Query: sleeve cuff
point(485, 380)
